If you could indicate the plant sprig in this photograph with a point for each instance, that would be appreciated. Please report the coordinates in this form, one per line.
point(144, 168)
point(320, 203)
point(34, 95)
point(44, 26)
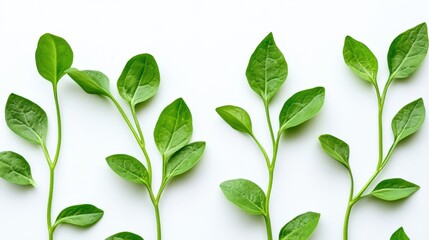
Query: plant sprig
point(406, 53)
point(29, 121)
point(266, 73)
point(138, 83)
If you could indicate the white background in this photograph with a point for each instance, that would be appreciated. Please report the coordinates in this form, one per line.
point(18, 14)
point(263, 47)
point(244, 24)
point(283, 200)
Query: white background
point(202, 48)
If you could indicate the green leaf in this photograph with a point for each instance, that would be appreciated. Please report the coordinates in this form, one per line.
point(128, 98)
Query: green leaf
point(301, 227)
point(15, 169)
point(236, 117)
point(399, 235)
point(408, 120)
point(129, 168)
point(173, 129)
point(267, 69)
point(336, 148)
point(26, 119)
point(246, 195)
point(92, 82)
point(53, 56)
point(302, 106)
point(407, 51)
point(83, 215)
point(185, 159)
point(360, 59)
point(139, 80)
point(125, 236)
point(394, 189)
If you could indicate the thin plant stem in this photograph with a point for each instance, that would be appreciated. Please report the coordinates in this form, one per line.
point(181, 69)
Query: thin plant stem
point(271, 165)
point(53, 163)
point(270, 126)
point(127, 120)
point(138, 135)
point(381, 163)
point(50, 199)
point(349, 206)
point(142, 146)
point(267, 159)
point(158, 222)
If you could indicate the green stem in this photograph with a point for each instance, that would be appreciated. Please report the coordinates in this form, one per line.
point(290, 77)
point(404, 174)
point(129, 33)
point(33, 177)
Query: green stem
point(142, 145)
point(346, 221)
point(380, 101)
point(381, 98)
point(270, 126)
point(349, 206)
point(140, 140)
point(158, 222)
point(49, 208)
point(268, 226)
point(155, 202)
point(267, 159)
point(127, 120)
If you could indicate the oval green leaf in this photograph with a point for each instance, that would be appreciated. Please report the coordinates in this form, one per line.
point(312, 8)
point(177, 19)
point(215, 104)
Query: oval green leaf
point(92, 82)
point(408, 120)
point(246, 195)
point(26, 119)
point(125, 236)
point(360, 59)
point(139, 80)
point(336, 148)
point(129, 168)
point(399, 235)
point(236, 117)
point(301, 107)
point(267, 69)
point(185, 159)
point(83, 215)
point(394, 189)
point(173, 129)
point(53, 56)
point(301, 227)
point(15, 169)
point(407, 51)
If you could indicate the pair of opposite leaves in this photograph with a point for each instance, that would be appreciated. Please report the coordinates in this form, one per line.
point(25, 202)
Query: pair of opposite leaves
point(138, 82)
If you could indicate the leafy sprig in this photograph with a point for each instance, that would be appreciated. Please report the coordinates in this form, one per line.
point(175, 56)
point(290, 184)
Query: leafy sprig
point(138, 83)
point(29, 121)
point(266, 73)
point(406, 53)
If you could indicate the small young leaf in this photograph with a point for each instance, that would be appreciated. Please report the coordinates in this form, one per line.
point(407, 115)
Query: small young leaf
point(246, 195)
point(236, 117)
point(83, 215)
point(129, 168)
point(399, 235)
point(336, 148)
point(53, 56)
point(407, 51)
point(125, 236)
point(360, 59)
point(185, 159)
point(267, 69)
point(26, 119)
point(301, 227)
point(408, 120)
point(92, 82)
point(173, 129)
point(15, 169)
point(302, 106)
point(139, 80)
point(394, 189)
